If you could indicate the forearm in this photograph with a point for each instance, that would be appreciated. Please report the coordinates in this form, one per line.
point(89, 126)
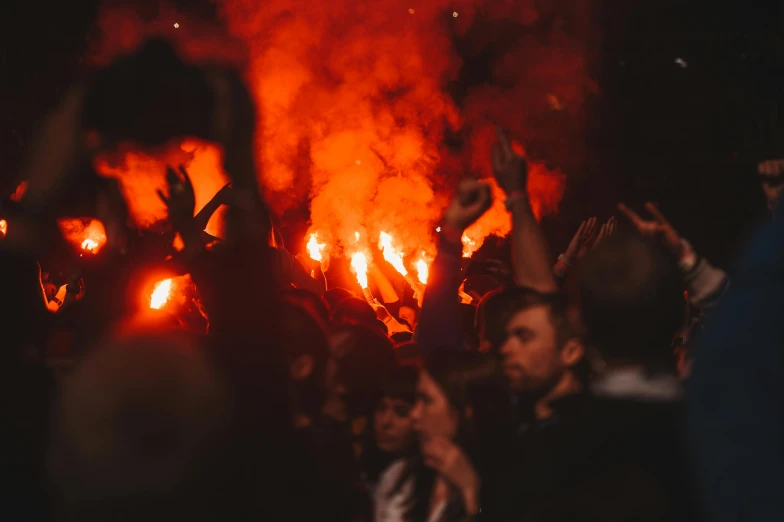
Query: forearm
point(530, 251)
point(440, 306)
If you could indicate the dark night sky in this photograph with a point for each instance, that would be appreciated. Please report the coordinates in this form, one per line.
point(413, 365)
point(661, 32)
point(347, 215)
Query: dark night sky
point(686, 137)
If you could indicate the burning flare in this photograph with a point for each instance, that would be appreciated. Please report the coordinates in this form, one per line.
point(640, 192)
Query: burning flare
point(316, 249)
point(359, 265)
point(161, 294)
point(392, 256)
point(88, 235)
point(423, 270)
point(3, 227)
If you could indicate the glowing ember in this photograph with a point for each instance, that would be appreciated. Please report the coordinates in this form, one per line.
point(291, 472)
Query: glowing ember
point(359, 265)
point(3, 227)
point(20, 191)
point(315, 249)
point(423, 271)
point(161, 294)
point(176, 25)
point(393, 257)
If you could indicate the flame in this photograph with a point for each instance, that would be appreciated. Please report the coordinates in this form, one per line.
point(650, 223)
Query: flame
point(355, 101)
point(175, 295)
point(423, 270)
point(392, 256)
point(88, 235)
point(469, 245)
point(161, 294)
point(3, 227)
point(316, 249)
point(359, 265)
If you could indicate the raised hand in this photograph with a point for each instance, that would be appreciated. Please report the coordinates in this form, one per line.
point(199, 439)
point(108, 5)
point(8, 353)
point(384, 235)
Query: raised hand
point(606, 231)
point(452, 464)
point(509, 168)
point(582, 237)
point(181, 201)
point(471, 200)
point(658, 227)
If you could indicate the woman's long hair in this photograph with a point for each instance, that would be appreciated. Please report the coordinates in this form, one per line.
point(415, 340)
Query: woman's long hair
point(473, 384)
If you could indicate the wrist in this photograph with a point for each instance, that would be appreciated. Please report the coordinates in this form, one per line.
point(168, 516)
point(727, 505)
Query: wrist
point(516, 198)
point(687, 258)
point(452, 234)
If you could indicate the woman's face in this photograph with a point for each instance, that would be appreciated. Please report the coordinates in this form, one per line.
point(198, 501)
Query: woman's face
point(392, 424)
point(432, 414)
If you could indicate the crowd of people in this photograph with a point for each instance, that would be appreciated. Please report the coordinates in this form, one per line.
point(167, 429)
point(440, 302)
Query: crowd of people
point(627, 379)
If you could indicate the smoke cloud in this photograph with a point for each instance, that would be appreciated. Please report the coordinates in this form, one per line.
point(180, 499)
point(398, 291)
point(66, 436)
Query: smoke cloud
point(366, 109)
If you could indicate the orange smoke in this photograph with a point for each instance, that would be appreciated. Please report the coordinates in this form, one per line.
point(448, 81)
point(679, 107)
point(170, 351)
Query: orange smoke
point(87, 235)
point(354, 103)
point(142, 174)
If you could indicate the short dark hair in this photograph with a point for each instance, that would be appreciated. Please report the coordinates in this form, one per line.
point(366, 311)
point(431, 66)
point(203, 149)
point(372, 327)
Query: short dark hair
point(401, 383)
point(353, 310)
point(631, 300)
point(335, 295)
point(314, 303)
point(510, 301)
point(364, 360)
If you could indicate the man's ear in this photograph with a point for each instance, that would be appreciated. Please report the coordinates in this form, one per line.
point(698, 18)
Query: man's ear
point(572, 352)
point(302, 367)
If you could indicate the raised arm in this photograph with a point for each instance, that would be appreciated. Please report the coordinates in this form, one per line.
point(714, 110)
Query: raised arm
point(705, 283)
point(530, 251)
point(438, 325)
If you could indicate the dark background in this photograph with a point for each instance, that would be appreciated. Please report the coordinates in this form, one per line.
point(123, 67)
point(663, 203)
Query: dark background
point(688, 138)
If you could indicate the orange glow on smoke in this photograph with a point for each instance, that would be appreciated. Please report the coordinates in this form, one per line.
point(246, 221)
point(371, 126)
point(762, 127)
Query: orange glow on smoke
point(316, 249)
point(359, 266)
point(423, 270)
point(170, 291)
point(87, 235)
point(392, 256)
point(142, 174)
point(354, 103)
